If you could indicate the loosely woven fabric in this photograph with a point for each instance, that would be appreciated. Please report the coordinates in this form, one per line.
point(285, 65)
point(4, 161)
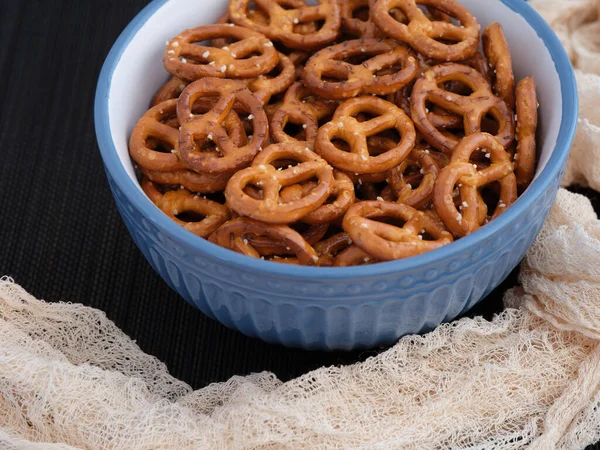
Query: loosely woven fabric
point(530, 378)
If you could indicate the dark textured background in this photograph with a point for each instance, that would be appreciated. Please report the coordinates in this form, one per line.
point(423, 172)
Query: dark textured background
point(62, 238)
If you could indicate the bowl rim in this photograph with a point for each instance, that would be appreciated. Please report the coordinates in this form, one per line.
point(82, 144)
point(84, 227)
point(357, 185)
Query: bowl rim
point(553, 167)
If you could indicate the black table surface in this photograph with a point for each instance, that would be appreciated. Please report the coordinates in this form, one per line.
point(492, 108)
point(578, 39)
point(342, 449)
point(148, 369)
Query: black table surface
point(62, 237)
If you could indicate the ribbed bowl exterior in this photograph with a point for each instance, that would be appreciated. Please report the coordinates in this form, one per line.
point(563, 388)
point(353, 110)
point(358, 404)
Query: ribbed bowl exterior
point(336, 314)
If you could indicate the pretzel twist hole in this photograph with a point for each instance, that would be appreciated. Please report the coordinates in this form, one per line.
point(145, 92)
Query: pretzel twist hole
point(332, 74)
point(436, 39)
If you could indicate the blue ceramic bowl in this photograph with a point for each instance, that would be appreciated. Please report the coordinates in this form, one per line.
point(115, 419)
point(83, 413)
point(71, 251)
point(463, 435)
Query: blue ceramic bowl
point(330, 308)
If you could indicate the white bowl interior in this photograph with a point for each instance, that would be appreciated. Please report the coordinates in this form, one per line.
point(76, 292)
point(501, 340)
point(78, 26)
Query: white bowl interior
point(140, 71)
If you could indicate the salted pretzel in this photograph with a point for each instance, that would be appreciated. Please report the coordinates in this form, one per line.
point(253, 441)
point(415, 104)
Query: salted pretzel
point(439, 117)
point(340, 199)
point(239, 235)
point(301, 107)
point(462, 173)
point(207, 128)
point(175, 204)
point(345, 126)
point(473, 108)
point(424, 34)
point(408, 191)
point(419, 234)
point(366, 77)
point(527, 118)
point(170, 90)
point(498, 54)
point(150, 131)
point(188, 61)
point(287, 20)
point(271, 208)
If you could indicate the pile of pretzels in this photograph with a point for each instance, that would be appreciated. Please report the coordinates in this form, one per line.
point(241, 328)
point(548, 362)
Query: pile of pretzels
point(344, 133)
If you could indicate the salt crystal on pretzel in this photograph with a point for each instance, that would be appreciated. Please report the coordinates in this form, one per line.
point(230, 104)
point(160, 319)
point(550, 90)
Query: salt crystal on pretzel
point(261, 59)
point(469, 179)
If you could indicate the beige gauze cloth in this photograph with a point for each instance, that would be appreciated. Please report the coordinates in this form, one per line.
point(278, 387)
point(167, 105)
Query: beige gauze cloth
point(530, 378)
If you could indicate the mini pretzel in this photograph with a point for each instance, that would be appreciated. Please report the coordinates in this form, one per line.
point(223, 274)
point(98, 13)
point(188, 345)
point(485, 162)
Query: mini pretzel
point(208, 127)
point(267, 177)
point(239, 234)
point(464, 174)
point(345, 126)
point(423, 34)
point(191, 62)
point(301, 107)
point(265, 86)
point(527, 118)
point(473, 107)
point(150, 129)
point(438, 116)
point(356, 79)
point(408, 192)
point(174, 203)
point(498, 53)
point(419, 234)
point(170, 90)
point(342, 197)
point(285, 20)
